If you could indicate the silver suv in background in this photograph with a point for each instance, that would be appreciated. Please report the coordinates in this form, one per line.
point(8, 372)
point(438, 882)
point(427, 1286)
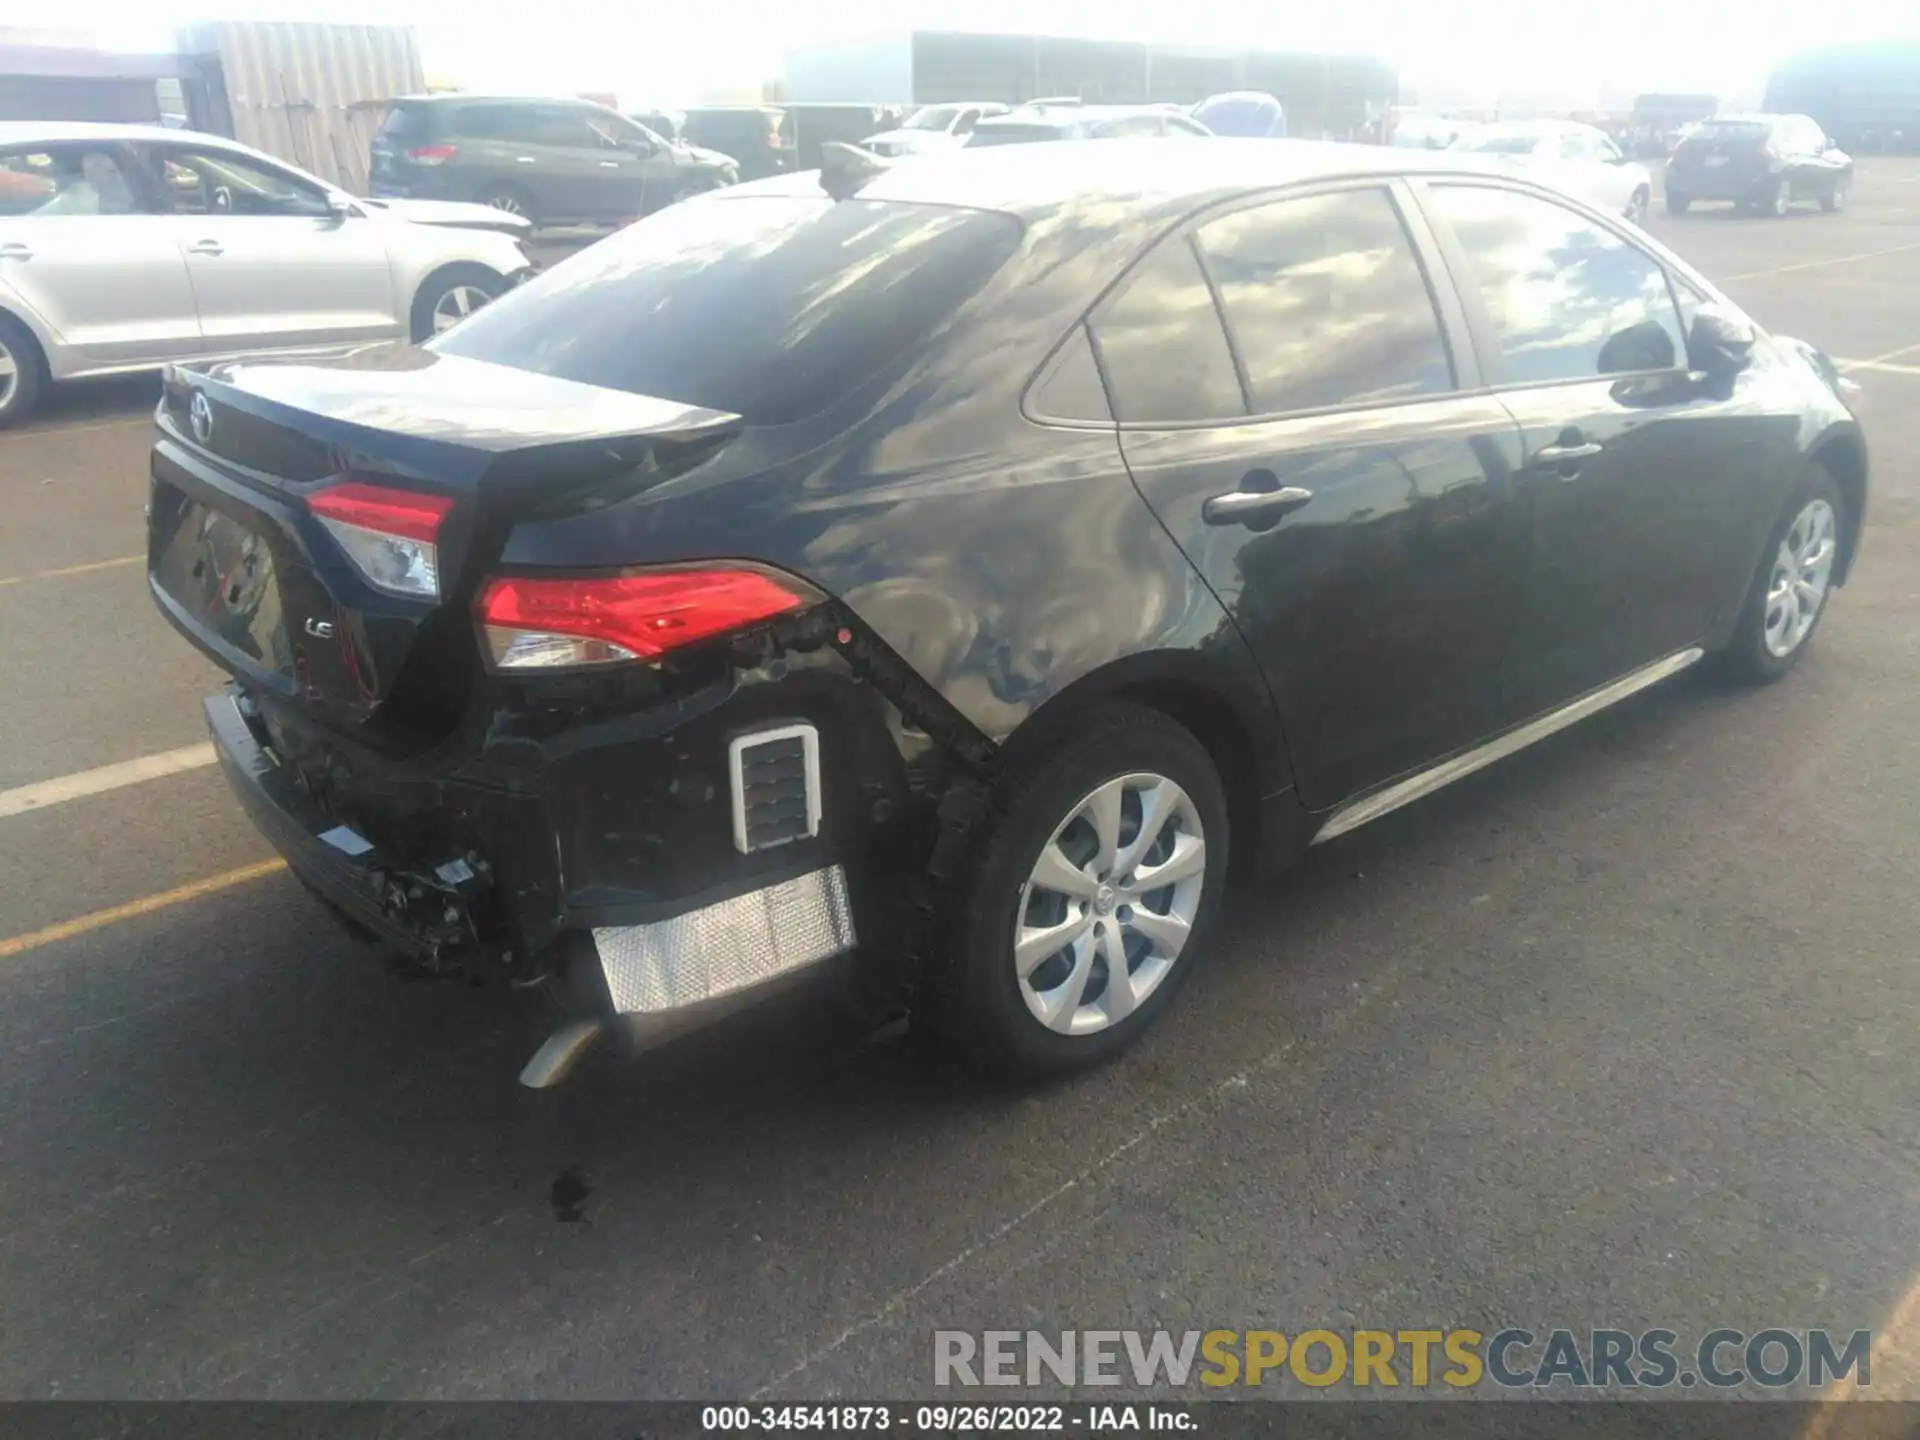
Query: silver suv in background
point(128, 247)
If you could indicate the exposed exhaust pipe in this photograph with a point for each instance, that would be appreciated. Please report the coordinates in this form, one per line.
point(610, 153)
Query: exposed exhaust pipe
point(555, 1060)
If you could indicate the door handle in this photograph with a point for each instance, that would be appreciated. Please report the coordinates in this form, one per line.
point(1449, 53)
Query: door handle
point(207, 247)
point(525, 160)
point(14, 250)
point(1552, 455)
point(609, 164)
point(1243, 507)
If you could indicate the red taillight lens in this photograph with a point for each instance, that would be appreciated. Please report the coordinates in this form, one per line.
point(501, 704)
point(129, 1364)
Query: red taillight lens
point(432, 154)
point(533, 623)
point(391, 536)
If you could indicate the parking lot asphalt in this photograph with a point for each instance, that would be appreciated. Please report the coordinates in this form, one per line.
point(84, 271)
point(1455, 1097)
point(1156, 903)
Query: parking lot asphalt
point(1616, 1033)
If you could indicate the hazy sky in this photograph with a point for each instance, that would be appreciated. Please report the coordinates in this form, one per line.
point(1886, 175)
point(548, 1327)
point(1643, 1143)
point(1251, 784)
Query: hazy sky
point(669, 54)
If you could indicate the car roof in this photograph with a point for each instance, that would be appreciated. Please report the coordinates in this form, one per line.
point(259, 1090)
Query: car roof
point(52, 132)
point(1032, 180)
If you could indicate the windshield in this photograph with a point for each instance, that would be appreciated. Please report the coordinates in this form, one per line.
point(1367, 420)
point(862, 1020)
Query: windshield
point(1499, 144)
point(1731, 130)
point(769, 307)
point(932, 117)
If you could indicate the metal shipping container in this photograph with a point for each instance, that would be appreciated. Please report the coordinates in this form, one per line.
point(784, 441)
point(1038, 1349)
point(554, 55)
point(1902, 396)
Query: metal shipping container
point(310, 93)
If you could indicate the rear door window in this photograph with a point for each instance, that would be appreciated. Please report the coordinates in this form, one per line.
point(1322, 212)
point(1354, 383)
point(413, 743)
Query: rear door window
point(769, 307)
point(1568, 299)
point(1160, 344)
point(1326, 303)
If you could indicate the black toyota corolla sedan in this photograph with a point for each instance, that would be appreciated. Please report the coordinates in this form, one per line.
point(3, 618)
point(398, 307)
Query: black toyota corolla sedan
point(936, 581)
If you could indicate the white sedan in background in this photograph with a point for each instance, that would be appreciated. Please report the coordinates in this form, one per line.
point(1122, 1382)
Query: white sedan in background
point(1572, 157)
point(128, 247)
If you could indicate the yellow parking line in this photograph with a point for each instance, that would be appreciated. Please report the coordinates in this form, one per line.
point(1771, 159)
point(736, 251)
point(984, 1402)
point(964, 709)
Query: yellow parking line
point(145, 905)
point(64, 570)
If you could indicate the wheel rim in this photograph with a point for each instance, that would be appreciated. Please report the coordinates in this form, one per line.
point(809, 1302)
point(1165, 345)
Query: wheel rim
point(1110, 904)
point(1797, 588)
point(1637, 208)
point(459, 302)
point(9, 375)
point(1840, 197)
point(508, 203)
point(1782, 195)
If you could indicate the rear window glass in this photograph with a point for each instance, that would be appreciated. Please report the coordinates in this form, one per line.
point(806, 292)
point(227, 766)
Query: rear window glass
point(768, 307)
point(404, 122)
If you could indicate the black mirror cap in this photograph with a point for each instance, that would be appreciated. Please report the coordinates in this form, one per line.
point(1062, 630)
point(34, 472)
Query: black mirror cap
point(1721, 341)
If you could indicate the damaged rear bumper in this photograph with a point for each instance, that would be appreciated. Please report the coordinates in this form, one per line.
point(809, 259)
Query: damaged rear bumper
point(482, 879)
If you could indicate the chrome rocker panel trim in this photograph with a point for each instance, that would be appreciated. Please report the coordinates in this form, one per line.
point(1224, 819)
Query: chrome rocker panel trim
point(1355, 813)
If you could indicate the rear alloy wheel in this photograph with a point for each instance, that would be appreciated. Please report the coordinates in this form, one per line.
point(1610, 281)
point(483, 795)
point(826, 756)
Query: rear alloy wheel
point(1781, 198)
point(1638, 205)
point(1677, 204)
point(21, 378)
point(445, 300)
point(510, 200)
point(1091, 887)
point(1836, 198)
point(1794, 582)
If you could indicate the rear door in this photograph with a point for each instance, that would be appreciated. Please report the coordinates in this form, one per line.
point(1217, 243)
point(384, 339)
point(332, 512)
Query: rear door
point(1638, 476)
point(82, 247)
point(1321, 460)
point(272, 266)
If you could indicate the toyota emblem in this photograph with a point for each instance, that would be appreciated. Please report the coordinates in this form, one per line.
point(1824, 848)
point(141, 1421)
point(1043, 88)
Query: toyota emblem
point(200, 416)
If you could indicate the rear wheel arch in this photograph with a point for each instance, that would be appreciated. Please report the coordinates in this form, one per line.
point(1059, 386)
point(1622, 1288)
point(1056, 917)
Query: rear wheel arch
point(1237, 729)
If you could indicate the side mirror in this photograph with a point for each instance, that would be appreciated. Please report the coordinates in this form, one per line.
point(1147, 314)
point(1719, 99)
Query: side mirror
point(1720, 342)
point(340, 207)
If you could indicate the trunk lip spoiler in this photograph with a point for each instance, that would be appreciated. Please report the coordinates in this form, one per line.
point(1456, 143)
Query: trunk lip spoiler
point(357, 404)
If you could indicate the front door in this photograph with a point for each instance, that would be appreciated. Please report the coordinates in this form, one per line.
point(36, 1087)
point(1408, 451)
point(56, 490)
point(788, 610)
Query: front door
point(591, 174)
point(82, 248)
point(1318, 461)
point(1637, 473)
point(273, 267)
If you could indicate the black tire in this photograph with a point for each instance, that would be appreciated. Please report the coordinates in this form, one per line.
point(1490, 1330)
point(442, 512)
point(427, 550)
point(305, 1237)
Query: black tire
point(1677, 204)
point(443, 283)
point(510, 198)
point(22, 389)
point(1638, 206)
point(972, 995)
point(1747, 659)
point(1836, 197)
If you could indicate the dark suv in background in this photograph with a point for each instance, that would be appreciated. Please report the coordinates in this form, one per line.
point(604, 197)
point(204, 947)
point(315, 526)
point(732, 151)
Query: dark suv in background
point(557, 162)
point(1762, 163)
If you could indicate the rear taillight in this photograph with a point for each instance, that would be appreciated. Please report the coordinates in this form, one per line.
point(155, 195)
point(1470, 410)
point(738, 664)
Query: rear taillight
point(431, 154)
point(392, 536)
point(533, 623)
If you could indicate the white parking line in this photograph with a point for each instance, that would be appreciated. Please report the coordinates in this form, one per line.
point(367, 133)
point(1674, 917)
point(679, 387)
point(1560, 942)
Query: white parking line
point(1817, 264)
point(43, 793)
point(1878, 367)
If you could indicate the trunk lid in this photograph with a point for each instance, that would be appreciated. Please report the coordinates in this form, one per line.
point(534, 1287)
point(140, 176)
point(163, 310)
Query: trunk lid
point(239, 560)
